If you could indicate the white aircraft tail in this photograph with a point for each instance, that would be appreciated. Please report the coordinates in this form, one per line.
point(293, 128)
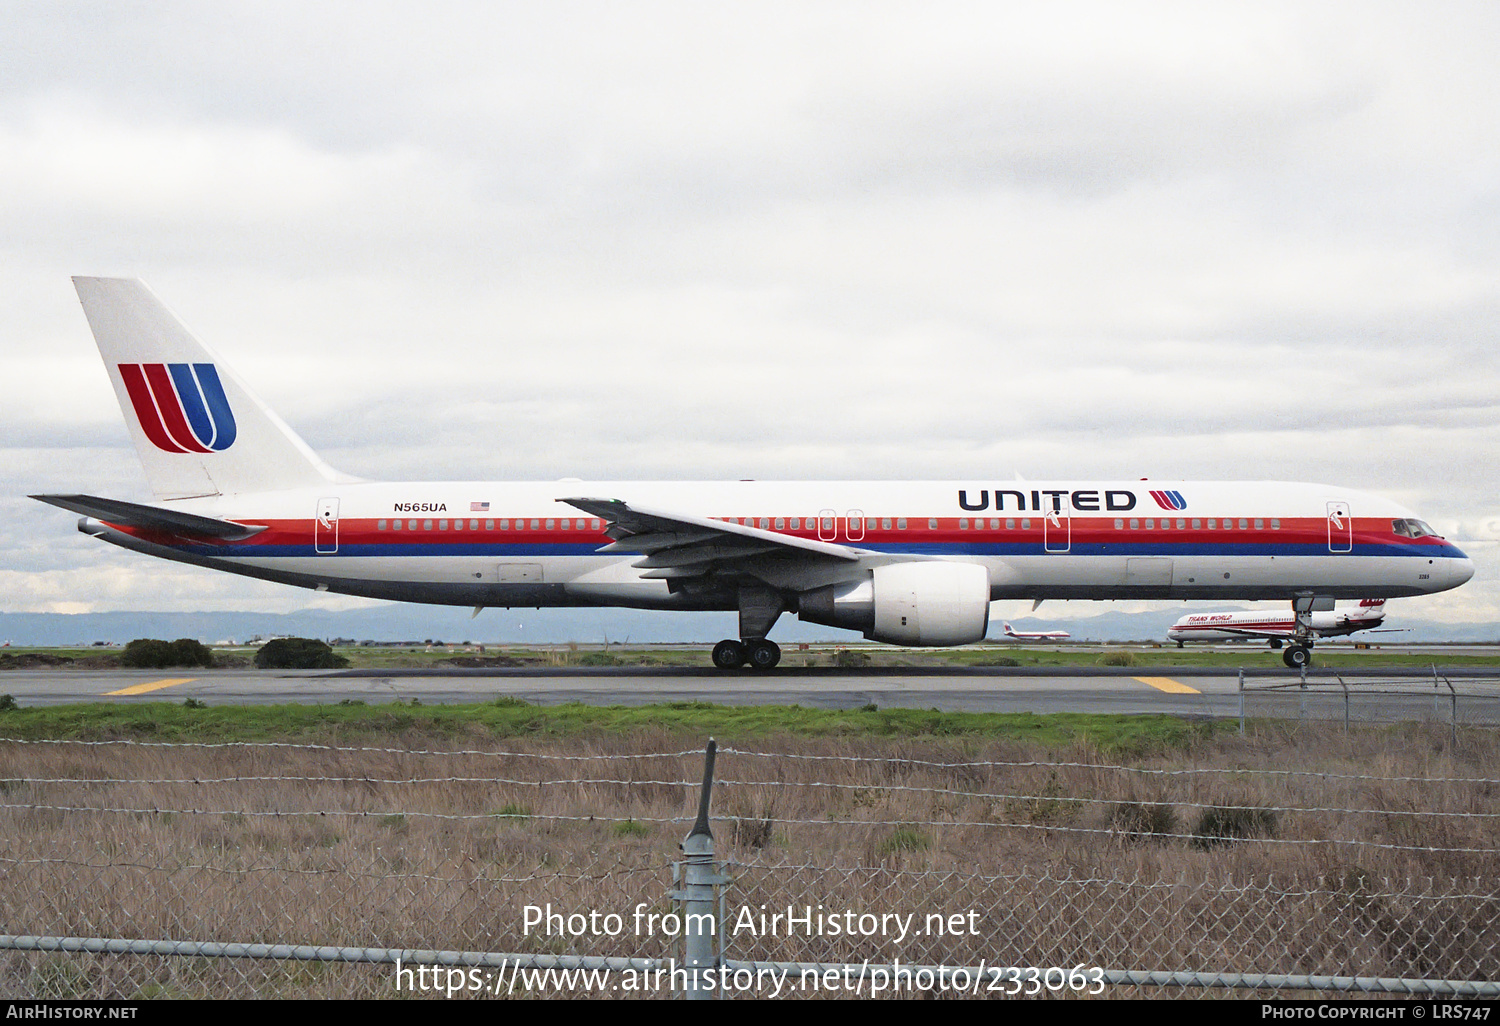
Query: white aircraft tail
point(197, 428)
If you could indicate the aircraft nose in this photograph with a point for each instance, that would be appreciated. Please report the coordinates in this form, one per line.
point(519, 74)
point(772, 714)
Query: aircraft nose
point(1461, 570)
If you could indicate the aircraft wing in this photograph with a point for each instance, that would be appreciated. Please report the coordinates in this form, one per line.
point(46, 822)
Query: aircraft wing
point(131, 514)
point(678, 545)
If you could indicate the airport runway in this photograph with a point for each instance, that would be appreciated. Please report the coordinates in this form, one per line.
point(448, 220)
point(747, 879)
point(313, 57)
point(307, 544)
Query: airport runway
point(1181, 691)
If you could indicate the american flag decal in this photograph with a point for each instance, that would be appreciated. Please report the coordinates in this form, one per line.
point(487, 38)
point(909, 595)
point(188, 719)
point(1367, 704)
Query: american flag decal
point(479, 507)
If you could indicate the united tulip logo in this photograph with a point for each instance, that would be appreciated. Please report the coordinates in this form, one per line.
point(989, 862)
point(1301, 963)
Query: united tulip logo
point(180, 406)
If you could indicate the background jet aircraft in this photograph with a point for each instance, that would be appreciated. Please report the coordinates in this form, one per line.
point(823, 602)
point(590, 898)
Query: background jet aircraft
point(1033, 635)
point(1276, 627)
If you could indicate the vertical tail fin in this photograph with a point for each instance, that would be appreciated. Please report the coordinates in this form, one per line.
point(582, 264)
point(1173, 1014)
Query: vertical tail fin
point(196, 427)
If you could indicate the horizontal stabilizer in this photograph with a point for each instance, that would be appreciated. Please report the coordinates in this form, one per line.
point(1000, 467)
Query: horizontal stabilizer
point(131, 514)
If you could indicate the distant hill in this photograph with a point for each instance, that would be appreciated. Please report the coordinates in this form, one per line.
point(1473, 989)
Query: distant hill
point(400, 622)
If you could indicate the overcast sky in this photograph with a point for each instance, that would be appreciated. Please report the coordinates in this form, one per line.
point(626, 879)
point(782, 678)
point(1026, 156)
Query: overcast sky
point(635, 241)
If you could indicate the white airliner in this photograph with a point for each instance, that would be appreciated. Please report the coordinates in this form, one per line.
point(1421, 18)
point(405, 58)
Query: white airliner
point(902, 562)
point(1033, 635)
point(1276, 627)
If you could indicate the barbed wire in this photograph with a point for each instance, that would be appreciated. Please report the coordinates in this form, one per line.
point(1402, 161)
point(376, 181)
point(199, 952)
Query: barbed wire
point(697, 752)
point(326, 813)
point(313, 779)
point(1144, 770)
point(1116, 832)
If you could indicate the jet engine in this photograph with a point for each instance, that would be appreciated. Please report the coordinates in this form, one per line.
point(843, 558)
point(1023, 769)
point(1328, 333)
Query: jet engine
point(925, 603)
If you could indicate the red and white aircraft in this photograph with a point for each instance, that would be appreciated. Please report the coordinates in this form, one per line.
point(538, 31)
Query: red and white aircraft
point(1033, 635)
point(1276, 627)
point(910, 563)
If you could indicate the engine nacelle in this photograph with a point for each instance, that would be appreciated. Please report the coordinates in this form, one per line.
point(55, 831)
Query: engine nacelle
point(927, 603)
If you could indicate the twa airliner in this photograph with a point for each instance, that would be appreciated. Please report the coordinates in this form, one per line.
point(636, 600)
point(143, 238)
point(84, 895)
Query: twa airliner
point(907, 563)
point(1277, 627)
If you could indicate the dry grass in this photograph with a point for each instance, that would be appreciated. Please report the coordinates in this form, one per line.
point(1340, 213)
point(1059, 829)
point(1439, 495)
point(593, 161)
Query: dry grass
point(1054, 872)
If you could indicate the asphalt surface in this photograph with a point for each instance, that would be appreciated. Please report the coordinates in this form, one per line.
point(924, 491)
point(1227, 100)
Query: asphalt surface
point(1177, 691)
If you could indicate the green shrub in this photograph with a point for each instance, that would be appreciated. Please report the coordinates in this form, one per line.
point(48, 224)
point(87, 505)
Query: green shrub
point(155, 654)
point(907, 838)
point(1141, 820)
point(848, 657)
point(1117, 659)
point(1220, 825)
point(298, 654)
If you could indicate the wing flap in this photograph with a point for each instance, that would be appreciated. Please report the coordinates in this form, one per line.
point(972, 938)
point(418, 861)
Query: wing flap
point(679, 545)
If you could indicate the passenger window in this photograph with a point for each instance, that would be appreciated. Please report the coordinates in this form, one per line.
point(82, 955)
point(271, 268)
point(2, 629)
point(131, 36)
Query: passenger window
point(885, 523)
point(1244, 525)
point(474, 525)
point(1275, 524)
point(1182, 525)
point(901, 523)
point(1135, 525)
point(427, 525)
point(395, 525)
point(963, 524)
point(1197, 525)
point(551, 524)
point(994, 524)
point(1010, 523)
point(1150, 524)
point(411, 525)
point(796, 523)
point(1119, 525)
point(1213, 523)
point(932, 525)
point(442, 525)
point(1260, 525)
point(1026, 524)
point(380, 525)
point(567, 525)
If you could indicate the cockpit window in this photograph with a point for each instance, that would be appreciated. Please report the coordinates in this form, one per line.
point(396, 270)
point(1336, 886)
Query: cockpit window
point(1412, 529)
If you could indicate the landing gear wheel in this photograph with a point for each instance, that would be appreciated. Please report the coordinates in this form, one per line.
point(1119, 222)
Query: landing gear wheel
point(729, 655)
point(763, 654)
point(1296, 657)
point(1275, 643)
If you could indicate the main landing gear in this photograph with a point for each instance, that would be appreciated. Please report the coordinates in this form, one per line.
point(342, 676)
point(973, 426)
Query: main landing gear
point(1297, 656)
point(759, 653)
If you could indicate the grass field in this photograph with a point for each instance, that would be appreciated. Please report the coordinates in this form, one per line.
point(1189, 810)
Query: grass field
point(1124, 842)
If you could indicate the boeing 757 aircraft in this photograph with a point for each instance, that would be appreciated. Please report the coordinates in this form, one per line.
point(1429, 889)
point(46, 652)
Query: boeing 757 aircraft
point(909, 563)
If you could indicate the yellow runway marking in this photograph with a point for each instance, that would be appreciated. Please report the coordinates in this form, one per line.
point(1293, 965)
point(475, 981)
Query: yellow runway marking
point(1169, 685)
point(156, 685)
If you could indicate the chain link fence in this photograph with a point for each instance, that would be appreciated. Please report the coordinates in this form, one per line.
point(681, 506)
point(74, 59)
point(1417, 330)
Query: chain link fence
point(1298, 861)
point(1435, 698)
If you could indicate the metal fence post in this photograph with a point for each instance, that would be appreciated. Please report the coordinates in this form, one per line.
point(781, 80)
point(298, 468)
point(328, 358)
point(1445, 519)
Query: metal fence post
point(1345, 685)
point(1242, 702)
point(699, 907)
